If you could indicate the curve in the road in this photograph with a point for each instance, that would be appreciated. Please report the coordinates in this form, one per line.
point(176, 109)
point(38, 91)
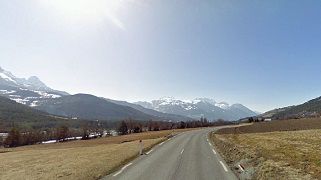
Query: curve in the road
point(187, 156)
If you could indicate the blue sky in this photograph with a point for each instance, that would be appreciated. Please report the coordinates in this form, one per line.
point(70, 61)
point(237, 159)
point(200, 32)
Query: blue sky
point(263, 54)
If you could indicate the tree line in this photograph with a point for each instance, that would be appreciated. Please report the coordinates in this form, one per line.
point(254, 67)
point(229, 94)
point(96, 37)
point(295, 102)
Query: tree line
point(95, 129)
point(21, 137)
point(130, 126)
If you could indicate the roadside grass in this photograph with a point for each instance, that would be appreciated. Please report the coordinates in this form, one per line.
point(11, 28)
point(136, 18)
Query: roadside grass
point(274, 155)
point(91, 159)
point(274, 126)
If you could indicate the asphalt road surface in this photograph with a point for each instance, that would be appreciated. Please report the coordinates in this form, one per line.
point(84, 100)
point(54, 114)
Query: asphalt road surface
point(187, 156)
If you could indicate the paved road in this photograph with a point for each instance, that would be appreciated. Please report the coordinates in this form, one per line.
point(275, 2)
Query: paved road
point(187, 156)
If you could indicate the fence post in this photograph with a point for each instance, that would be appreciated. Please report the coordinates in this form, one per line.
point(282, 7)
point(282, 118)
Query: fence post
point(141, 146)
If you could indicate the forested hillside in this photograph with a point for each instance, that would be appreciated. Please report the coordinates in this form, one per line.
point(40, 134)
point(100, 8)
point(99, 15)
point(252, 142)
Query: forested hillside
point(311, 108)
point(24, 117)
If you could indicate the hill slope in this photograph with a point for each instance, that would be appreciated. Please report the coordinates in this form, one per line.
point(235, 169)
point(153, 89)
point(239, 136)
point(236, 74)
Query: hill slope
point(311, 108)
point(90, 107)
point(12, 113)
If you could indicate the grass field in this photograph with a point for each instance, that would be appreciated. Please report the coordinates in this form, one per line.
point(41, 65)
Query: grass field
point(277, 125)
point(273, 155)
point(90, 159)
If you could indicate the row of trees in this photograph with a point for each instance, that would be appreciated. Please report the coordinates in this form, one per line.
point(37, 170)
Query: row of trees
point(16, 138)
point(131, 126)
point(20, 137)
point(93, 130)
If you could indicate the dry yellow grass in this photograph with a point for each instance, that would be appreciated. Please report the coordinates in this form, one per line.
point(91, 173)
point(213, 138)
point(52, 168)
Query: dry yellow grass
point(282, 155)
point(74, 160)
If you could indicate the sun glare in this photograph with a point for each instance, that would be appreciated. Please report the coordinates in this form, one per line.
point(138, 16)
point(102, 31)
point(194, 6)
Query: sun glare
point(88, 10)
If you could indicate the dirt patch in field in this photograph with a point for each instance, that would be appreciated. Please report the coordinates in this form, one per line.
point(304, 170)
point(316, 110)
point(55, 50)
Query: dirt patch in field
point(273, 155)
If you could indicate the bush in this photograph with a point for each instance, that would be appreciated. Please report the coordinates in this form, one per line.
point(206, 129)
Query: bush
point(1, 141)
point(31, 137)
point(62, 133)
point(13, 139)
point(123, 129)
point(85, 134)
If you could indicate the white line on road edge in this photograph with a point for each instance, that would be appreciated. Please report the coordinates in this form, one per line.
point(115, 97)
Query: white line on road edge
point(149, 151)
point(207, 140)
point(210, 143)
point(225, 169)
point(182, 151)
point(122, 169)
point(214, 151)
point(161, 143)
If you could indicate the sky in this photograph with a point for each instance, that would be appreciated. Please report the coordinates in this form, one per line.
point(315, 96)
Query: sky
point(263, 54)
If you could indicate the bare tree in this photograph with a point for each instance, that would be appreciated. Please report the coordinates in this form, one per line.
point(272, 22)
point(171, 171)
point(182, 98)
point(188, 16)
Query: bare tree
point(85, 131)
point(62, 133)
point(123, 129)
point(13, 139)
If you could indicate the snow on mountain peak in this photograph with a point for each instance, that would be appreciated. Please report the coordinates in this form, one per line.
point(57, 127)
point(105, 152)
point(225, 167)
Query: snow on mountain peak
point(199, 107)
point(25, 91)
point(7, 76)
point(167, 101)
point(164, 101)
point(223, 105)
point(206, 100)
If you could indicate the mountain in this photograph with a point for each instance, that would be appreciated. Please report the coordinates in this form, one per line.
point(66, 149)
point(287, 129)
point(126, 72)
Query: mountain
point(90, 107)
point(241, 111)
point(199, 107)
point(311, 108)
point(26, 91)
point(33, 92)
point(159, 115)
point(13, 113)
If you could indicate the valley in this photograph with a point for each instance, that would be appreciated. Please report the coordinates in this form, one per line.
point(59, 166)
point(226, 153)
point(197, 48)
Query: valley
point(39, 113)
point(160, 90)
point(34, 93)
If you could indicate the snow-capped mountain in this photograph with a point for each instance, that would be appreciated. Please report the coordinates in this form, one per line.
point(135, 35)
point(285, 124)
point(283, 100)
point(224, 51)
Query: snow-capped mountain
point(222, 105)
point(33, 92)
point(25, 91)
point(199, 107)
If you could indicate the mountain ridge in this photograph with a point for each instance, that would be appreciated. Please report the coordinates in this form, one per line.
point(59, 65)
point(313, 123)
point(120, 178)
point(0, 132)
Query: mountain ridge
point(25, 117)
point(25, 91)
point(90, 107)
point(199, 107)
point(311, 108)
point(161, 115)
point(33, 92)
